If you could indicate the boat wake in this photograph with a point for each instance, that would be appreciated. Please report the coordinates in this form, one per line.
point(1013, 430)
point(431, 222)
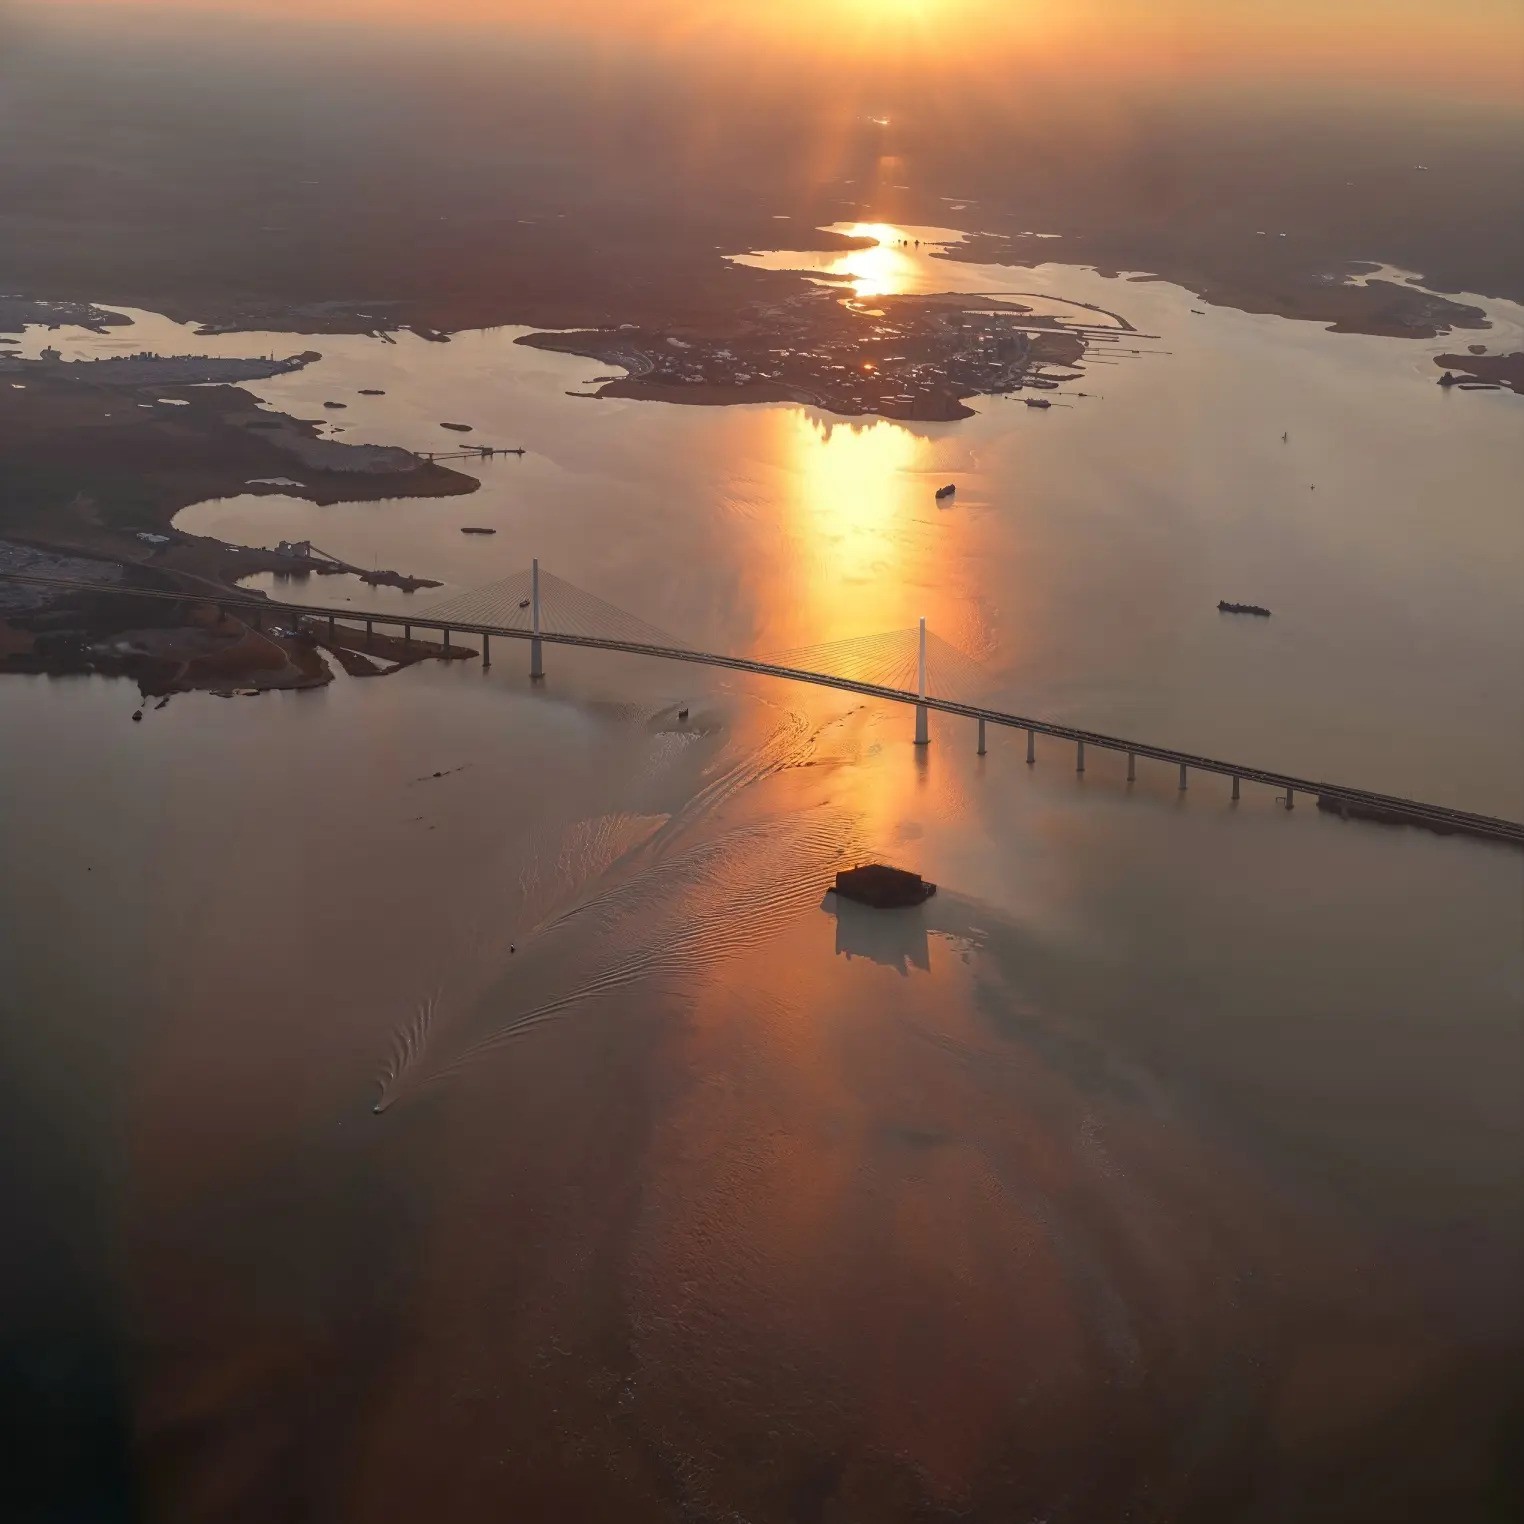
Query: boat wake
point(678, 918)
point(601, 876)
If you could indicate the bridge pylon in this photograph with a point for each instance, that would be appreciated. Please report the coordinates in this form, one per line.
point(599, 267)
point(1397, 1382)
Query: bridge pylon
point(922, 717)
point(536, 650)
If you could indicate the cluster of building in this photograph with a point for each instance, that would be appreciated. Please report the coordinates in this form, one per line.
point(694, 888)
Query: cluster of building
point(915, 357)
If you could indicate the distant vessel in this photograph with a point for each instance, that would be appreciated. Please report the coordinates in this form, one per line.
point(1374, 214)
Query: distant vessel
point(946, 491)
point(1224, 607)
point(523, 603)
point(882, 887)
point(475, 529)
point(1037, 402)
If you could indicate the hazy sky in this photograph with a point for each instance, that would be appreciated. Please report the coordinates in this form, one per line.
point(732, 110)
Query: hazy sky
point(1460, 46)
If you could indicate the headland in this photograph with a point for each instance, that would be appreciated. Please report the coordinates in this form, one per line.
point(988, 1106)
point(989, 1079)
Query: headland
point(94, 465)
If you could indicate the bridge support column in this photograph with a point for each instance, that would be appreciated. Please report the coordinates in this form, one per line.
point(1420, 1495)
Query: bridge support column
point(982, 747)
point(536, 652)
point(369, 630)
point(922, 730)
point(447, 642)
point(1031, 746)
point(407, 632)
point(1290, 799)
point(330, 627)
point(1132, 767)
point(1182, 777)
point(1079, 756)
point(486, 651)
point(1235, 787)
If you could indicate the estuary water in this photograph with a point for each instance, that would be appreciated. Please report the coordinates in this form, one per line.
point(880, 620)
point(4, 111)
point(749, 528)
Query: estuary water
point(439, 1093)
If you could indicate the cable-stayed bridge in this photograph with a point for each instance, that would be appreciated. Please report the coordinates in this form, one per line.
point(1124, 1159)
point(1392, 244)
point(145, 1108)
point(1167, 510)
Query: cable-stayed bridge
point(911, 667)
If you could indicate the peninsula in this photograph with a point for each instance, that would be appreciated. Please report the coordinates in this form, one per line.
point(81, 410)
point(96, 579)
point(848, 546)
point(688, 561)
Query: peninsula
point(91, 478)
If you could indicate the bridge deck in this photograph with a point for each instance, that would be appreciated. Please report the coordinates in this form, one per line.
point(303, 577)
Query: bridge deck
point(1435, 815)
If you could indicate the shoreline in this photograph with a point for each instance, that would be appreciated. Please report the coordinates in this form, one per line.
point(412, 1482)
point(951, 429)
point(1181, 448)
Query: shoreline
point(1493, 372)
point(915, 358)
point(95, 475)
point(94, 470)
point(704, 286)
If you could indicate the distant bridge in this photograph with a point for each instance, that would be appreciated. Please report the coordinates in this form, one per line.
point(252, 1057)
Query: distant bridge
point(901, 667)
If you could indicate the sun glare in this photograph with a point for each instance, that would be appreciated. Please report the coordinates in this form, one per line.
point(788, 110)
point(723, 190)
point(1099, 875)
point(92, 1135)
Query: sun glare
point(885, 269)
point(854, 492)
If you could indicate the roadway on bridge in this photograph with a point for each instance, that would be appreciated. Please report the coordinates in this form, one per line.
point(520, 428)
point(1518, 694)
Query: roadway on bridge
point(592, 623)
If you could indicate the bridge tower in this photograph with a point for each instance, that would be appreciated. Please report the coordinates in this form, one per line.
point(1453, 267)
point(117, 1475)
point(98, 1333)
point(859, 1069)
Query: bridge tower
point(922, 731)
point(536, 651)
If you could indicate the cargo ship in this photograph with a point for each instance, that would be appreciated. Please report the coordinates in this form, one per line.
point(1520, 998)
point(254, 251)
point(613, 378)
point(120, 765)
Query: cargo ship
point(882, 887)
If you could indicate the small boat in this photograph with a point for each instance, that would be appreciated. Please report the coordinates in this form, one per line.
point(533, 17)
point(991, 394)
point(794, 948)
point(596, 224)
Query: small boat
point(882, 887)
point(476, 529)
point(1037, 402)
point(1224, 607)
point(682, 713)
point(523, 603)
point(946, 491)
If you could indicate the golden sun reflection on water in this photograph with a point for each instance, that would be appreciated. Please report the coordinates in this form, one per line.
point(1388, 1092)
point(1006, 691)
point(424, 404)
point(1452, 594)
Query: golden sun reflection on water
point(859, 508)
point(883, 270)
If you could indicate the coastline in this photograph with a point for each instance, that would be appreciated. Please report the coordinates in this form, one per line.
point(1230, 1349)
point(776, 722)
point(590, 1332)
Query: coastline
point(559, 285)
point(94, 474)
point(1491, 371)
point(90, 468)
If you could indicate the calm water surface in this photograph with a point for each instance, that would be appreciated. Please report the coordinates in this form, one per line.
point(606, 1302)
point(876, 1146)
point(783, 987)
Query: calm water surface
point(1169, 1163)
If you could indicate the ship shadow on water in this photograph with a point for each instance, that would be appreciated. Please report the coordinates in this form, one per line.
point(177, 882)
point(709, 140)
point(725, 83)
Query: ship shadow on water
point(898, 939)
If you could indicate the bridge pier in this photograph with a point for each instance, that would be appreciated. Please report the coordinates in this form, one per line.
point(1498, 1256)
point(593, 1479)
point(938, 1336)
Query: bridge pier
point(407, 632)
point(982, 747)
point(369, 630)
point(1079, 756)
point(486, 651)
point(1132, 767)
point(1182, 777)
point(1235, 788)
point(1290, 799)
point(330, 627)
point(447, 642)
point(1031, 746)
